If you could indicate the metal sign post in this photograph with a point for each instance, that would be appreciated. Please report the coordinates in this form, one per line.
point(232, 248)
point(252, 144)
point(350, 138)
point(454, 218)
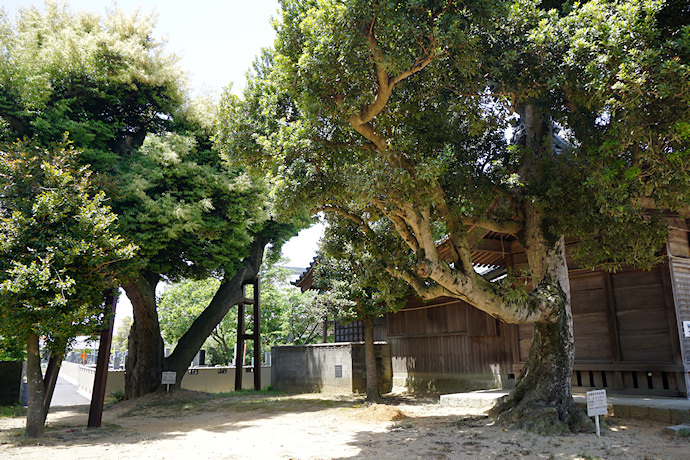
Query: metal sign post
point(596, 406)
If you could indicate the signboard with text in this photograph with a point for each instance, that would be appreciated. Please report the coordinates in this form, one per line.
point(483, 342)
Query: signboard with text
point(169, 378)
point(596, 403)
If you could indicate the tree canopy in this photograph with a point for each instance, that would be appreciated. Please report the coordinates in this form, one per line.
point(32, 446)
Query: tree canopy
point(110, 85)
point(427, 120)
point(105, 81)
point(60, 252)
point(59, 255)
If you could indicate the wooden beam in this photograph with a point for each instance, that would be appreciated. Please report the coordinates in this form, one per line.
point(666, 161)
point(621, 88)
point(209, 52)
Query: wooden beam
point(101, 377)
point(239, 349)
point(257, 336)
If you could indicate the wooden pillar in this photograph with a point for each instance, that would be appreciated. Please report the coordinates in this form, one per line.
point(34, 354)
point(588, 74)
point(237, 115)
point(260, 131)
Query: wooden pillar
point(256, 333)
point(239, 352)
point(680, 279)
point(50, 379)
point(101, 377)
point(255, 336)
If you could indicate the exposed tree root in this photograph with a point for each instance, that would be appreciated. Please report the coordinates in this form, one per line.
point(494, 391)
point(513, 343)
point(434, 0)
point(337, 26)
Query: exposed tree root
point(542, 400)
point(539, 416)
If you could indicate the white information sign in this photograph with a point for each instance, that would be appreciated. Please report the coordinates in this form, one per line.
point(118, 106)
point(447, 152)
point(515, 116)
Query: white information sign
point(686, 329)
point(596, 403)
point(596, 406)
point(169, 378)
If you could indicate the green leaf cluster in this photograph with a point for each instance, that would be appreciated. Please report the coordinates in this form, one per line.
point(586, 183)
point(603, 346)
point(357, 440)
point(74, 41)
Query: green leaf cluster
point(59, 253)
point(105, 81)
point(191, 213)
point(350, 275)
point(611, 77)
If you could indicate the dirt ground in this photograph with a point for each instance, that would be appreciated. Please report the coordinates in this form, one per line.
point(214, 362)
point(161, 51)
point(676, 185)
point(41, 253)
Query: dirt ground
point(189, 425)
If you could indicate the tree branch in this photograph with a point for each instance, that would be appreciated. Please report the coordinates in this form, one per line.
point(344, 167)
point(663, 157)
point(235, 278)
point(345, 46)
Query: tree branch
point(423, 290)
point(348, 215)
point(511, 227)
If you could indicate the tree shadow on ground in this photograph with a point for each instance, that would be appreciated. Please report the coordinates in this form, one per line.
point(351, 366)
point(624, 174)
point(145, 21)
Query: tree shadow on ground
point(66, 425)
point(476, 436)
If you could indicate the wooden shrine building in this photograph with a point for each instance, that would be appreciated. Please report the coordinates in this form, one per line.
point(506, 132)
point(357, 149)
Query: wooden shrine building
point(628, 326)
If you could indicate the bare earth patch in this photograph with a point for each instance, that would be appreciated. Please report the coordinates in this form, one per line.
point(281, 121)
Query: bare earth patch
point(189, 425)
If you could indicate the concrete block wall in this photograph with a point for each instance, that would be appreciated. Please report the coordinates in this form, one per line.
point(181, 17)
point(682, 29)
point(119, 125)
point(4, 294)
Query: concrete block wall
point(331, 368)
point(207, 379)
point(312, 368)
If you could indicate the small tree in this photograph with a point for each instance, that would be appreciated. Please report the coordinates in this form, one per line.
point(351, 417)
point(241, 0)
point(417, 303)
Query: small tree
point(288, 316)
point(121, 334)
point(58, 256)
point(355, 286)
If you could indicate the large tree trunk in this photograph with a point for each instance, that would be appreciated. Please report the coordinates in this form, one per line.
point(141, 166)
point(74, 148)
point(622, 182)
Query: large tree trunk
point(229, 294)
point(145, 361)
point(145, 356)
point(370, 361)
point(542, 400)
point(35, 417)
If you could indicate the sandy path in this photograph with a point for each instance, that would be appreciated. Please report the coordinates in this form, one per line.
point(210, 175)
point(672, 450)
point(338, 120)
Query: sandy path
point(191, 425)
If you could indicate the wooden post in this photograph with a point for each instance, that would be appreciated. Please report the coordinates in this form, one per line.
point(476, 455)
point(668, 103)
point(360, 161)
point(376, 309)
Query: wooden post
point(240, 344)
point(256, 333)
point(101, 377)
point(49, 380)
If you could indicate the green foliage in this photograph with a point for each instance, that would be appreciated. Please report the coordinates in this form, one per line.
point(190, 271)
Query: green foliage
point(191, 213)
point(121, 336)
point(105, 81)
point(12, 411)
point(353, 282)
point(289, 316)
point(12, 349)
point(58, 251)
point(117, 395)
point(182, 303)
point(613, 75)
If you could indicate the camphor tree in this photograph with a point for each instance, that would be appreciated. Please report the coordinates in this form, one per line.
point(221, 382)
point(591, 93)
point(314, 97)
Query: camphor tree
point(109, 84)
point(193, 216)
point(58, 257)
point(394, 114)
point(353, 285)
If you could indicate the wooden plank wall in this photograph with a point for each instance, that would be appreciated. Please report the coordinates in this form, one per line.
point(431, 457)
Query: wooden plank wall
point(449, 337)
point(624, 327)
point(622, 317)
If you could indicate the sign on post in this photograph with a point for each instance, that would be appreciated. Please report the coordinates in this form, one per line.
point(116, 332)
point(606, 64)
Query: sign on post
point(168, 379)
point(596, 406)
